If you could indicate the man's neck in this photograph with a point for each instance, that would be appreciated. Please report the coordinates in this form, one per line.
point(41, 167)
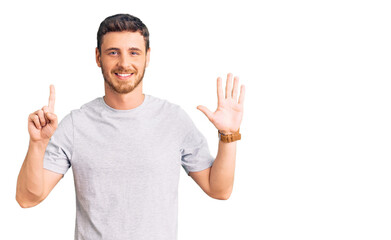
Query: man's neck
point(124, 101)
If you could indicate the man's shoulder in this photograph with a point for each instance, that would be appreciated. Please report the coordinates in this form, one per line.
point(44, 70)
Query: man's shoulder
point(173, 110)
point(92, 105)
point(163, 104)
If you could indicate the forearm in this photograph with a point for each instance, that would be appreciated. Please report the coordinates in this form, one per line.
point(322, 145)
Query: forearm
point(30, 180)
point(222, 172)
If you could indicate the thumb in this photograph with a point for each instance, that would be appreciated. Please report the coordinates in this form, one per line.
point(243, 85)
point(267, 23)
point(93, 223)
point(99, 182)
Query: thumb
point(53, 118)
point(206, 111)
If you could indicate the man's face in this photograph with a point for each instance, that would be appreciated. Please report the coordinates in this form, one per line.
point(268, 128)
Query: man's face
point(123, 60)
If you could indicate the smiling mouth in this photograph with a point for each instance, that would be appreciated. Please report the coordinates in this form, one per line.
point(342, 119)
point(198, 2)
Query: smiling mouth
point(124, 76)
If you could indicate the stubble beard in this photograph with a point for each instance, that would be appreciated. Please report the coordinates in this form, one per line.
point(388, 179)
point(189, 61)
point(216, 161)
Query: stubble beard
point(122, 87)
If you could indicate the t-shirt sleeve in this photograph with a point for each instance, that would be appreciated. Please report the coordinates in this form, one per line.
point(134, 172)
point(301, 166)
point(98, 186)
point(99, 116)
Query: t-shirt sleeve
point(194, 149)
point(59, 151)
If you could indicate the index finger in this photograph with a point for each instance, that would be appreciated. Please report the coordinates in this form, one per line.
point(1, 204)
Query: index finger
point(52, 99)
point(220, 94)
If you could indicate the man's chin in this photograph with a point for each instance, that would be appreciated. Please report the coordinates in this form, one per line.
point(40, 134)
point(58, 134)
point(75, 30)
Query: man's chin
point(123, 89)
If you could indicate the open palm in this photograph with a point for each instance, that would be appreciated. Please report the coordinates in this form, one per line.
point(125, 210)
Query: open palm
point(229, 113)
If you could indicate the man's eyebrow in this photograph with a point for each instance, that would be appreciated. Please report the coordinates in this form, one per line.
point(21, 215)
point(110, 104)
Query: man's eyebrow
point(135, 49)
point(117, 49)
point(112, 49)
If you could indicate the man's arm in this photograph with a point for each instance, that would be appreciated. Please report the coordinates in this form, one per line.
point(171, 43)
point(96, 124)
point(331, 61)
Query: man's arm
point(217, 181)
point(223, 170)
point(34, 182)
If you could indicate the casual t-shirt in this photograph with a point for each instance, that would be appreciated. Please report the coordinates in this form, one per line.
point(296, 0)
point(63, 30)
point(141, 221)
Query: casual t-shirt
point(126, 167)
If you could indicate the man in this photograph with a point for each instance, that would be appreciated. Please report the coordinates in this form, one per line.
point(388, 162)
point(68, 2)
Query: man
point(126, 148)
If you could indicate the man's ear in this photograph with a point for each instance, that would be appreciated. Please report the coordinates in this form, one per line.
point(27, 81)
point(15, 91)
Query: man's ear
point(147, 57)
point(97, 57)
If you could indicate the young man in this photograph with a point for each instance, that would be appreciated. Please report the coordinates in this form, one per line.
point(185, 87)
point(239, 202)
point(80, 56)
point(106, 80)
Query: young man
point(126, 148)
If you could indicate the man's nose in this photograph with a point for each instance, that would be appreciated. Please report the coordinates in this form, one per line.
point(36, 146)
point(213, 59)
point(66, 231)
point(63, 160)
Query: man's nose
point(125, 61)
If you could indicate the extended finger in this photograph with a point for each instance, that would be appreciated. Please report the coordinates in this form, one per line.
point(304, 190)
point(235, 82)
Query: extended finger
point(52, 98)
point(235, 89)
point(228, 86)
point(35, 119)
point(206, 111)
point(220, 93)
point(241, 97)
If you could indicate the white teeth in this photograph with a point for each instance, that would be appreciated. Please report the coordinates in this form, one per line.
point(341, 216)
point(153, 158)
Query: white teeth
point(123, 75)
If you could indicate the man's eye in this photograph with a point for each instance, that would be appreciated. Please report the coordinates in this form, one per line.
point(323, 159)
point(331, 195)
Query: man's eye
point(134, 53)
point(113, 53)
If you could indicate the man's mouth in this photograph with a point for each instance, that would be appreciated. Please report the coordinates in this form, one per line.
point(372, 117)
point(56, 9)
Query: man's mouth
point(124, 76)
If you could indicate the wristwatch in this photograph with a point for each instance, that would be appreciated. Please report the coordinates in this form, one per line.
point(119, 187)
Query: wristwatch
point(227, 138)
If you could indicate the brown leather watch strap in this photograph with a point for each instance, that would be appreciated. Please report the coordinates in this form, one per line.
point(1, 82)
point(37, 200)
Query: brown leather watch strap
point(227, 138)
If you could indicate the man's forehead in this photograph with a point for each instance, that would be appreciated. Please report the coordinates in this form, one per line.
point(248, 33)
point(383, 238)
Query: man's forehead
point(123, 39)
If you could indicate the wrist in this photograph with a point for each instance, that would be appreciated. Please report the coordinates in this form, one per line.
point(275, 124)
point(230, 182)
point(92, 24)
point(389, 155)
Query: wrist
point(39, 143)
point(226, 132)
point(228, 136)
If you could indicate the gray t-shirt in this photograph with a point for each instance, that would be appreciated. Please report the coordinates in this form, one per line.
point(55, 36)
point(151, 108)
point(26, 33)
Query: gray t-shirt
point(126, 167)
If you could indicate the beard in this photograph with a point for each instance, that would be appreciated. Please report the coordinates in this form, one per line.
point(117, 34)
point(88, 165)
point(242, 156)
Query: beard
point(122, 87)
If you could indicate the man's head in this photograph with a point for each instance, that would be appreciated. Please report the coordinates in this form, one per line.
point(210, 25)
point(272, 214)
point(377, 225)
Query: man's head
point(122, 52)
point(121, 23)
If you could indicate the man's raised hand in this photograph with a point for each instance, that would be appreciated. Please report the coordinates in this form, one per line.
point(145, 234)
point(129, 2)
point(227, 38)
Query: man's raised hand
point(228, 115)
point(43, 123)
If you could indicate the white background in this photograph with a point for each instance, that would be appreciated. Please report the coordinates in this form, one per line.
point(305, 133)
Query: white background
point(314, 161)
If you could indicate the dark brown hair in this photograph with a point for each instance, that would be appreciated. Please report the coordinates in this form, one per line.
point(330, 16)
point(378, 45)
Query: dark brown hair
point(123, 22)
